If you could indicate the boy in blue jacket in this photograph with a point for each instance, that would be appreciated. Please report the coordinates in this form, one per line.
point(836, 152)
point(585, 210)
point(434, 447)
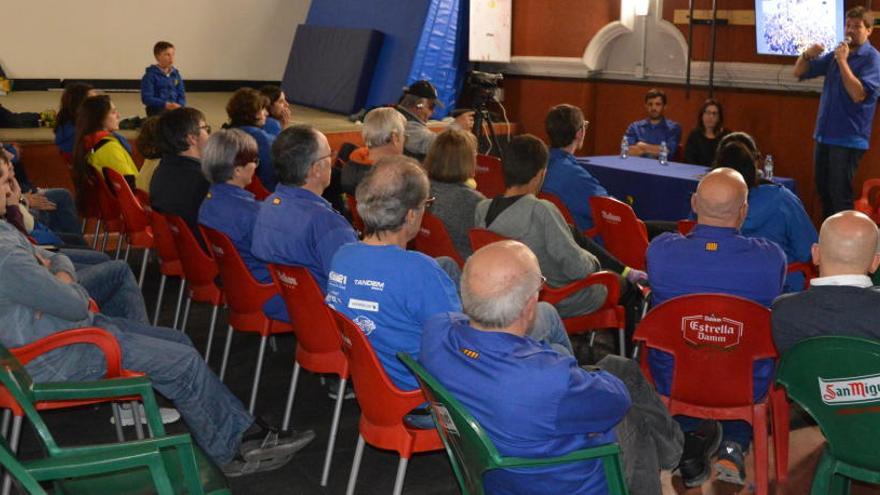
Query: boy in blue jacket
point(162, 87)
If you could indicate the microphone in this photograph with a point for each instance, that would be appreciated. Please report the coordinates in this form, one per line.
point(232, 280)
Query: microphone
point(847, 40)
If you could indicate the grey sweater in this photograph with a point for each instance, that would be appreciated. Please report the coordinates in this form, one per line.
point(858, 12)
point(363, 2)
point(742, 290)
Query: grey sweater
point(539, 225)
point(454, 206)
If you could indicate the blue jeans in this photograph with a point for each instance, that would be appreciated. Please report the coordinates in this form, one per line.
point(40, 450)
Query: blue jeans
point(64, 218)
point(215, 417)
point(112, 285)
point(548, 328)
point(732, 430)
point(835, 168)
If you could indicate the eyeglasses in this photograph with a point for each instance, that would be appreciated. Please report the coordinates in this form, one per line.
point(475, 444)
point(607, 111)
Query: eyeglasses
point(543, 284)
point(206, 127)
point(586, 124)
point(320, 158)
point(429, 202)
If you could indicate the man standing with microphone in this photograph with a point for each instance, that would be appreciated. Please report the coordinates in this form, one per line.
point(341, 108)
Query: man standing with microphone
point(846, 108)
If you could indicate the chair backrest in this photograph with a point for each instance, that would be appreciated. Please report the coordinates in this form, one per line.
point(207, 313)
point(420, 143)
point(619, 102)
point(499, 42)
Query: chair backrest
point(482, 237)
point(199, 267)
point(489, 176)
point(19, 384)
point(312, 320)
point(356, 221)
point(715, 339)
point(869, 202)
point(107, 203)
point(382, 403)
point(16, 470)
point(685, 226)
point(244, 293)
point(133, 213)
point(163, 241)
point(470, 450)
point(257, 188)
point(837, 381)
point(623, 234)
point(434, 240)
point(807, 269)
point(559, 205)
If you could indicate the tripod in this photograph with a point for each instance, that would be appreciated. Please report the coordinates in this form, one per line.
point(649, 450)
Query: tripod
point(481, 115)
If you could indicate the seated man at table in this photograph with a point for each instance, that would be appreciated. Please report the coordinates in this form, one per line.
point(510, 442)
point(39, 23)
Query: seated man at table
point(389, 291)
point(519, 215)
point(842, 300)
point(295, 225)
point(487, 360)
point(645, 136)
point(715, 258)
point(566, 178)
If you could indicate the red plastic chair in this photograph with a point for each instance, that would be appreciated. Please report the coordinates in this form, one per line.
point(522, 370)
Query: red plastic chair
point(685, 226)
point(609, 315)
point(869, 202)
point(489, 177)
point(809, 271)
point(169, 263)
point(98, 337)
point(111, 214)
point(356, 220)
point(569, 219)
point(383, 407)
point(137, 220)
point(258, 189)
point(88, 208)
point(245, 297)
point(715, 339)
point(200, 271)
point(318, 341)
point(434, 240)
point(623, 234)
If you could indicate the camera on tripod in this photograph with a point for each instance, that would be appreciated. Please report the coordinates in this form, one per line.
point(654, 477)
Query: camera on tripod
point(484, 85)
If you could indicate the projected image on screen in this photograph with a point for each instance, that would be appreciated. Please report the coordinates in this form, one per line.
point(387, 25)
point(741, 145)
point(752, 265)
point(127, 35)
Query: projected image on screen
point(787, 27)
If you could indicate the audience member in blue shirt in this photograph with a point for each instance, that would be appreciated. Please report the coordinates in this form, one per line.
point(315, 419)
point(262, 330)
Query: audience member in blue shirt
point(566, 178)
point(247, 111)
point(279, 111)
point(846, 108)
point(65, 125)
point(162, 87)
point(296, 226)
point(229, 161)
point(644, 136)
point(715, 258)
point(775, 213)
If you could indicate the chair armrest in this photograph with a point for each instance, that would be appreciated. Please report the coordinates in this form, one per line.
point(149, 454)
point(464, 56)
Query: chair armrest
point(103, 339)
point(578, 455)
point(109, 449)
point(609, 279)
point(88, 463)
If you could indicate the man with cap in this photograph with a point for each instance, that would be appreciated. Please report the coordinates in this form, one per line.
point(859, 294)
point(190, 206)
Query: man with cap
point(417, 105)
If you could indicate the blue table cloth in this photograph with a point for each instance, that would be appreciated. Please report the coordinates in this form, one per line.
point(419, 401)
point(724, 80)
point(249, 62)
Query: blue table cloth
point(655, 192)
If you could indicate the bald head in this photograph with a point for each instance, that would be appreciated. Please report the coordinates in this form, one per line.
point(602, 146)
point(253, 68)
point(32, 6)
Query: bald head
point(498, 283)
point(720, 200)
point(847, 245)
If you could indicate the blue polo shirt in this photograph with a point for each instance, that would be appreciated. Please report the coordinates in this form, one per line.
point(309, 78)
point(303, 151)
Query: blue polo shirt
point(390, 293)
point(297, 227)
point(272, 126)
point(532, 402)
point(570, 181)
point(265, 170)
point(233, 211)
point(841, 121)
point(713, 260)
point(666, 130)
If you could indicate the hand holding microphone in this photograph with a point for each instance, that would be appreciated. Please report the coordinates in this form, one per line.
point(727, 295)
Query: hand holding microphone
point(842, 50)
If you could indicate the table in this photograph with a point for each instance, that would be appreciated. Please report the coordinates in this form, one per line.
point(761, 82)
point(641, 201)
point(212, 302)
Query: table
point(655, 192)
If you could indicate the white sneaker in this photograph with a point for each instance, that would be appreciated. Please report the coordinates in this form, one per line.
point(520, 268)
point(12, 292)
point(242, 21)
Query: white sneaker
point(168, 414)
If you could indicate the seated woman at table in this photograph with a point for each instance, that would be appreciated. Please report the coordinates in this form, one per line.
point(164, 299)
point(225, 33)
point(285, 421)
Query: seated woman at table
point(775, 213)
point(451, 162)
point(703, 140)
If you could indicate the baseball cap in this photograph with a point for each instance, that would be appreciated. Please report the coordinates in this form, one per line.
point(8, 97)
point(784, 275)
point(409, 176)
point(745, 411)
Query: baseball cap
point(423, 89)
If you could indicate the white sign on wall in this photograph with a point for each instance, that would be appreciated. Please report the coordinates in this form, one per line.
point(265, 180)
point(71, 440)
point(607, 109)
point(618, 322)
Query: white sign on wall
point(490, 26)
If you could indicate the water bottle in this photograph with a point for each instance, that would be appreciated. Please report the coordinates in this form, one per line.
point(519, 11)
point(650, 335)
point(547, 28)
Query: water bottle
point(664, 153)
point(768, 167)
point(624, 148)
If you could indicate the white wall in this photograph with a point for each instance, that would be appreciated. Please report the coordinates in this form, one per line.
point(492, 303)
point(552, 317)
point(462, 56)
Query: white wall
point(107, 39)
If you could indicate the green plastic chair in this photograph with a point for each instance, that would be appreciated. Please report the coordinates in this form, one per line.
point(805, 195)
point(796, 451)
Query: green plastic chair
point(163, 464)
point(472, 453)
point(837, 381)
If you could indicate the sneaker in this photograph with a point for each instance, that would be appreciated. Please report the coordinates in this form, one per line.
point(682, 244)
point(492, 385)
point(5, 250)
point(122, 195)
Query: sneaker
point(275, 444)
point(333, 387)
point(730, 466)
point(240, 467)
point(169, 415)
point(699, 446)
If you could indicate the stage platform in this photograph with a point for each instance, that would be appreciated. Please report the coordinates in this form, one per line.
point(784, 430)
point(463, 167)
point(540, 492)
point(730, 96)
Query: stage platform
point(46, 168)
